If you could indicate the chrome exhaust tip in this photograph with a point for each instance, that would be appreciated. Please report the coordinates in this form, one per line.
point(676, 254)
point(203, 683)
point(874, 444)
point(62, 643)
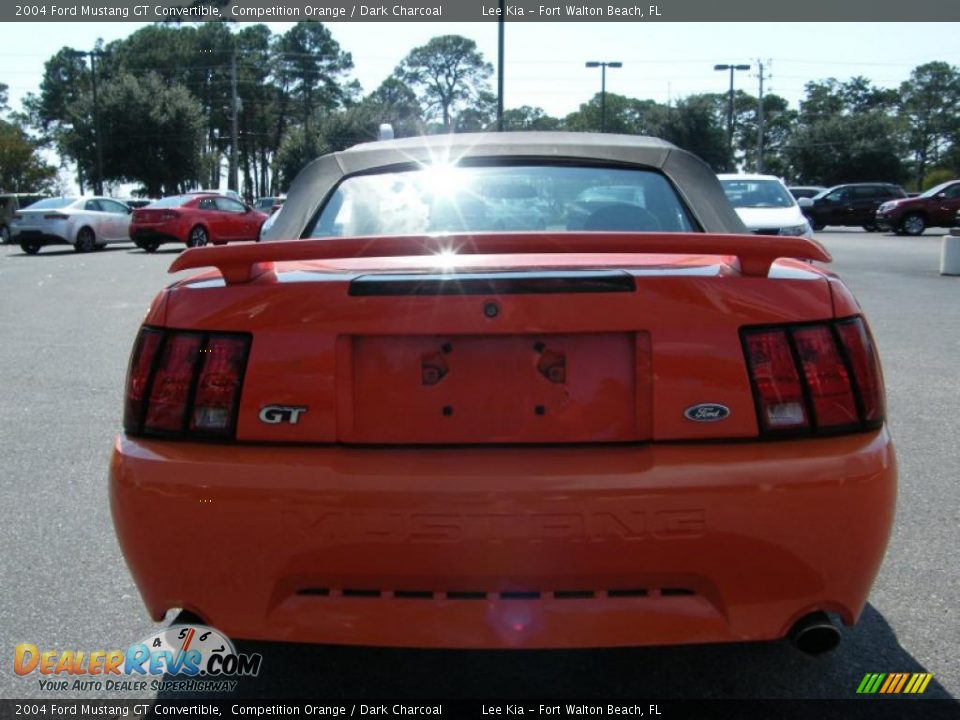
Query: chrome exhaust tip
point(815, 634)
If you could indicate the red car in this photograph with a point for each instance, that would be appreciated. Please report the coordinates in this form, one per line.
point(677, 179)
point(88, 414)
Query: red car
point(195, 220)
point(397, 429)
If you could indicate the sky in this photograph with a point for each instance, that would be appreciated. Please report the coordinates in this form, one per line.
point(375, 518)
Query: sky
point(544, 62)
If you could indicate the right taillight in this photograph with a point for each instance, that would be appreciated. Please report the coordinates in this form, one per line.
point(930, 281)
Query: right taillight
point(815, 377)
point(185, 383)
point(859, 348)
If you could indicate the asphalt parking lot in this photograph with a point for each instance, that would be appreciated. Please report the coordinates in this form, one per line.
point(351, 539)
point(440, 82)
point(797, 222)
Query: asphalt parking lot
point(67, 322)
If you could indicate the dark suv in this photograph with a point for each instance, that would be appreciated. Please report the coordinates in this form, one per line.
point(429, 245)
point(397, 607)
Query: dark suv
point(851, 205)
point(937, 207)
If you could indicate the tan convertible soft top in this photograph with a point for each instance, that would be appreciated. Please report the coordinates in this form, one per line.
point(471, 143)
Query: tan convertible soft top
point(695, 182)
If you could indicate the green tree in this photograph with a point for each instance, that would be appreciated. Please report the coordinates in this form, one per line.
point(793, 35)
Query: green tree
point(480, 116)
point(529, 118)
point(291, 156)
point(60, 112)
point(694, 125)
point(22, 169)
point(258, 108)
point(847, 148)
point(449, 73)
point(623, 115)
point(154, 132)
point(395, 103)
point(313, 65)
point(779, 122)
point(930, 109)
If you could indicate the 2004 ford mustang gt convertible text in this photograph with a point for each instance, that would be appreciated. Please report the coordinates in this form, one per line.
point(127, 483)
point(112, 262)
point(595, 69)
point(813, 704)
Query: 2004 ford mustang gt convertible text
point(426, 420)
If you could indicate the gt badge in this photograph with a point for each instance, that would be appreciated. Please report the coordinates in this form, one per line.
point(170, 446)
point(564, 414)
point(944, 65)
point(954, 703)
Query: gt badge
point(276, 414)
point(707, 412)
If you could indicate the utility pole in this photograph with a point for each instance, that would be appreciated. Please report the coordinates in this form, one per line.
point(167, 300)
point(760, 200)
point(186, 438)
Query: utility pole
point(96, 124)
point(234, 133)
point(760, 118)
point(97, 138)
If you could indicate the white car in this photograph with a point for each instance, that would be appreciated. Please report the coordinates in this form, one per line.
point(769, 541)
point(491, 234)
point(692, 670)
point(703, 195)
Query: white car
point(765, 205)
point(87, 223)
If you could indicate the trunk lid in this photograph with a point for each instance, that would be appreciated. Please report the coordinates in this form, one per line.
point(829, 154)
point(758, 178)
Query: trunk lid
point(521, 348)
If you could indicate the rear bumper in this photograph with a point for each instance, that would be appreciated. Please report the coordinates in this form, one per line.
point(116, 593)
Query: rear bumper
point(506, 547)
point(149, 234)
point(44, 238)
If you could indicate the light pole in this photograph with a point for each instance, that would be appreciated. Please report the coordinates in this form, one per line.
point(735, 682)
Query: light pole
point(731, 68)
point(603, 88)
point(500, 32)
point(93, 55)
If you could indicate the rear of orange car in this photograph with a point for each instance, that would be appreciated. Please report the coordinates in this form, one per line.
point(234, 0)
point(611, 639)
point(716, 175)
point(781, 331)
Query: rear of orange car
point(608, 444)
point(468, 408)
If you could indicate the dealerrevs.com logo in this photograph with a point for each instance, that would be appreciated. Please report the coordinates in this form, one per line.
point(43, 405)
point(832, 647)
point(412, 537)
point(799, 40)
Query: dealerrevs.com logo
point(188, 658)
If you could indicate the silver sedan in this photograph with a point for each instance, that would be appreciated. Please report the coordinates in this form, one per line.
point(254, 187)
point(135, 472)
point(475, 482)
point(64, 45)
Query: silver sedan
point(87, 223)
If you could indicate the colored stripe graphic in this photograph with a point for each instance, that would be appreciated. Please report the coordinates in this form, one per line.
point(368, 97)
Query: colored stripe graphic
point(894, 683)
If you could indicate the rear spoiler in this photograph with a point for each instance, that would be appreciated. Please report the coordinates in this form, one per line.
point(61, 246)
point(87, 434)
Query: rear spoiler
point(243, 263)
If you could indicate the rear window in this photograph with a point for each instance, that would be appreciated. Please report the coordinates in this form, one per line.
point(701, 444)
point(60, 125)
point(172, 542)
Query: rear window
point(169, 202)
point(446, 199)
point(59, 202)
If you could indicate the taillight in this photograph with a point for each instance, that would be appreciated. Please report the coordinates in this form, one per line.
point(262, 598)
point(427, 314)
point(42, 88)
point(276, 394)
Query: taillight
point(185, 383)
point(218, 387)
point(16, 216)
point(777, 382)
point(170, 390)
point(822, 377)
point(138, 376)
point(858, 345)
point(827, 380)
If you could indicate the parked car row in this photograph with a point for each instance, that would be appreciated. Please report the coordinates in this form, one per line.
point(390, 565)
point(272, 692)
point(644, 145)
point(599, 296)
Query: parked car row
point(850, 205)
point(91, 223)
point(882, 206)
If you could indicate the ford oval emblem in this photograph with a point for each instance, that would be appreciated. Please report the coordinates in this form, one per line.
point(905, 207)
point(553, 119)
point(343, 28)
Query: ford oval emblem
point(707, 412)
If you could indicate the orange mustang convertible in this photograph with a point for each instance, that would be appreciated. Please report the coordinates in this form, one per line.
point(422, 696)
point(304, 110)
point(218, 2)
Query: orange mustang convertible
point(519, 390)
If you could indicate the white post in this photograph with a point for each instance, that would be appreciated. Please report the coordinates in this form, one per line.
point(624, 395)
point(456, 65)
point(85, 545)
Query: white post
point(950, 253)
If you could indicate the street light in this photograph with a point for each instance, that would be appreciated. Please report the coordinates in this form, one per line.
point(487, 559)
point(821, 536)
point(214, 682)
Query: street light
point(603, 88)
point(500, 32)
point(731, 68)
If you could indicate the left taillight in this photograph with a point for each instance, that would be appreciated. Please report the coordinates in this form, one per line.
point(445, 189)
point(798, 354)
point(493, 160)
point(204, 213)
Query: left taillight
point(185, 383)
